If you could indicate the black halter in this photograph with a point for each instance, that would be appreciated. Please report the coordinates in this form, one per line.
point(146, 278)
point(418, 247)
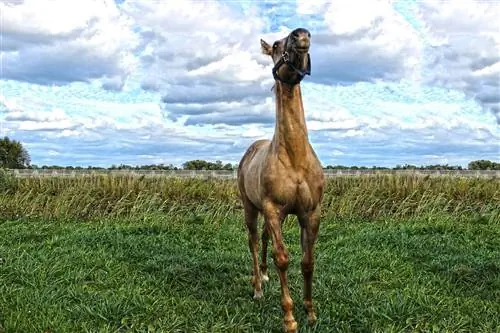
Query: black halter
point(285, 59)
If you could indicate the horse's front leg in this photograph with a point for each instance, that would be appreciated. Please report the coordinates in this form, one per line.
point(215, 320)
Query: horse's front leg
point(273, 222)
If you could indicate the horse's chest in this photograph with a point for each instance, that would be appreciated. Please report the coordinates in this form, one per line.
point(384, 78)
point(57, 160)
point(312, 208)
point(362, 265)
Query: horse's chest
point(295, 191)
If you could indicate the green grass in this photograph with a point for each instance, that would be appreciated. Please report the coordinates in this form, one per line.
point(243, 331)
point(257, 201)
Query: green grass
point(162, 275)
point(139, 254)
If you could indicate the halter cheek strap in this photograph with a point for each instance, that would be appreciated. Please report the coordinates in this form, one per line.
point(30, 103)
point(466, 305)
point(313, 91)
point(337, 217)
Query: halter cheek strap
point(285, 60)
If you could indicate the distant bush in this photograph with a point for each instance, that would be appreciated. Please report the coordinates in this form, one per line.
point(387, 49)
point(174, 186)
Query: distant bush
point(484, 165)
point(7, 181)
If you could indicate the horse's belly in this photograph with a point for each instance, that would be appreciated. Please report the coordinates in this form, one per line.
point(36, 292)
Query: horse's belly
point(253, 182)
point(253, 192)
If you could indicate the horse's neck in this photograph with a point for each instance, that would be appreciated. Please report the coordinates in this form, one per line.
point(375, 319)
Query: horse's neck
point(290, 140)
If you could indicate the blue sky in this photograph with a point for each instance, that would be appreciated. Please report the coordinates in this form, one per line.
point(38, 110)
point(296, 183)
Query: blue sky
point(141, 82)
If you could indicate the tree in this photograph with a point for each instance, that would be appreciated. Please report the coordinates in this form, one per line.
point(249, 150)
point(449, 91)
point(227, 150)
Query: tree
point(195, 165)
point(13, 155)
point(205, 165)
point(483, 165)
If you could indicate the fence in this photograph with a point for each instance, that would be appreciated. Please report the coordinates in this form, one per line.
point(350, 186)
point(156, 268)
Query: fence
point(225, 174)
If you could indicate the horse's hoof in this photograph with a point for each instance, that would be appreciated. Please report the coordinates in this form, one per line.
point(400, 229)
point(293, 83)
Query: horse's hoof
point(257, 294)
point(265, 278)
point(290, 326)
point(311, 318)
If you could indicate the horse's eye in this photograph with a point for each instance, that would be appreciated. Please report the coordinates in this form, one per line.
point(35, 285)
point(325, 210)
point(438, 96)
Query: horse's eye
point(275, 45)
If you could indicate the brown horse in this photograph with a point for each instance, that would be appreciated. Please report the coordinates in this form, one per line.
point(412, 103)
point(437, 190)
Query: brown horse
point(284, 176)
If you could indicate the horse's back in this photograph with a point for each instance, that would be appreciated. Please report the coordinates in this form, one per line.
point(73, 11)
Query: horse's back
point(249, 155)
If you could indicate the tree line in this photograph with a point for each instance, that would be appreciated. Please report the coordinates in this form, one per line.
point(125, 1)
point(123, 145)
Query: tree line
point(189, 165)
point(13, 155)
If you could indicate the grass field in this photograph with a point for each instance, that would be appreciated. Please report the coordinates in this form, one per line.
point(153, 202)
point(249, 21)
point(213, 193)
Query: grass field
point(132, 254)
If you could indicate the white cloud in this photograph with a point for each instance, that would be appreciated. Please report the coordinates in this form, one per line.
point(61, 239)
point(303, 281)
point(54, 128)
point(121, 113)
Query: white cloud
point(45, 125)
point(237, 66)
point(201, 37)
point(368, 123)
point(344, 17)
point(255, 132)
point(60, 42)
point(8, 104)
point(311, 7)
point(468, 58)
point(366, 44)
point(442, 43)
point(205, 60)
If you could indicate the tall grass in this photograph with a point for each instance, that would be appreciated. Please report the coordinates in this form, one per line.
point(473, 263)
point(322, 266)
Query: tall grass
point(405, 196)
point(123, 196)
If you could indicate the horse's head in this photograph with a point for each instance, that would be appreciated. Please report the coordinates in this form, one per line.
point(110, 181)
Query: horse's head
point(290, 56)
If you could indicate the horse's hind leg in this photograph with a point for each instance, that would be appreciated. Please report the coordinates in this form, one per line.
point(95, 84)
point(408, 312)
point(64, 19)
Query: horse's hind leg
point(251, 215)
point(309, 230)
point(263, 263)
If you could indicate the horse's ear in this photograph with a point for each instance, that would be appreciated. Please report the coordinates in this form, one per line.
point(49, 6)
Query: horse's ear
point(266, 48)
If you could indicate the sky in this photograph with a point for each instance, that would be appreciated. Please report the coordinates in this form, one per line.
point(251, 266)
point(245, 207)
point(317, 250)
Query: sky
point(147, 82)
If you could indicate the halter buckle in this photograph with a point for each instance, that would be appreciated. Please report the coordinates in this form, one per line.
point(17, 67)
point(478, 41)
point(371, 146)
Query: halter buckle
point(285, 56)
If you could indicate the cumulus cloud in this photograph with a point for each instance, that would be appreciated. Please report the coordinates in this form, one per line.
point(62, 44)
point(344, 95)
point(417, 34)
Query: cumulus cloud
point(212, 54)
point(122, 132)
point(354, 45)
point(366, 123)
point(204, 53)
point(58, 42)
point(466, 51)
point(455, 45)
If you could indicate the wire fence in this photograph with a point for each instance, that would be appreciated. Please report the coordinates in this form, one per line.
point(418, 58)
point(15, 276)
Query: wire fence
point(232, 174)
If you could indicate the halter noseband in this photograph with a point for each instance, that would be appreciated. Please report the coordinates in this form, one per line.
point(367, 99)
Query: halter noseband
point(285, 59)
